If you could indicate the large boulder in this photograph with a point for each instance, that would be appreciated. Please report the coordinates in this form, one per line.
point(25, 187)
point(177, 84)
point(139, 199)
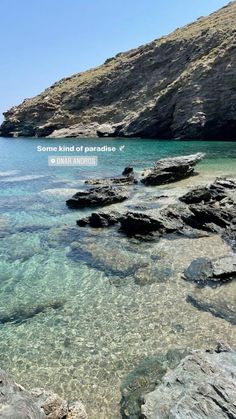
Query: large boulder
point(172, 169)
point(202, 386)
point(100, 196)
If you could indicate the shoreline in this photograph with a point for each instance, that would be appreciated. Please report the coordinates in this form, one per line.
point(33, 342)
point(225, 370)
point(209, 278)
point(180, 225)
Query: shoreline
point(108, 305)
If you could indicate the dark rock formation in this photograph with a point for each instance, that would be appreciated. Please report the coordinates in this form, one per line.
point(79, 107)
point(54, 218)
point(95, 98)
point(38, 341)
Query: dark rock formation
point(217, 213)
point(134, 223)
point(211, 272)
point(127, 178)
point(151, 273)
point(180, 86)
point(144, 378)
point(99, 219)
point(202, 386)
point(172, 169)
point(215, 192)
point(128, 171)
point(100, 196)
point(18, 403)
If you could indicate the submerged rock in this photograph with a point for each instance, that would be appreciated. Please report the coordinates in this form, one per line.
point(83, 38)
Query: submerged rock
point(127, 178)
point(152, 273)
point(23, 313)
point(112, 260)
point(124, 180)
point(100, 196)
point(211, 272)
point(220, 301)
point(19, 403)
point(202, 386)
point(172, 169)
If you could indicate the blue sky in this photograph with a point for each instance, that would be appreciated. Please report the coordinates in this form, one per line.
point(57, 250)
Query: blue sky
point(45, 40)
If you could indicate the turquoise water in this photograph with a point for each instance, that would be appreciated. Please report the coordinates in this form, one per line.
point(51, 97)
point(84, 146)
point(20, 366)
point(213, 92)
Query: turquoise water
point(97, 318)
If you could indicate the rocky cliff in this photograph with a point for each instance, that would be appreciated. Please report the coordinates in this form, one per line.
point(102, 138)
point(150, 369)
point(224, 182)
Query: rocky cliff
point(180, 86)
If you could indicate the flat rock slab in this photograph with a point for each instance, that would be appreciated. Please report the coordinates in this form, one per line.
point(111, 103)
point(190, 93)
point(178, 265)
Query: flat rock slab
point(202, 386)
point(172, 169)
point(100, 196)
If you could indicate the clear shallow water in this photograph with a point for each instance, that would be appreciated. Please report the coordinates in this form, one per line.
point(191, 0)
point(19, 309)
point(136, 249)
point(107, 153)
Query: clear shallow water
point(108, 321)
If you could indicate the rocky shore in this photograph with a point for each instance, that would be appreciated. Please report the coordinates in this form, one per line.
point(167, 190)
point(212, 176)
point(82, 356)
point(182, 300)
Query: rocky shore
point(202, 386)
point(180, 382)
point(203, 210)
point(174, 384)
point(180, 86)
point(18, 403)
point(110, 192)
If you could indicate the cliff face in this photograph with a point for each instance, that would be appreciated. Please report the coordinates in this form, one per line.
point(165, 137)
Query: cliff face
point(180, 86)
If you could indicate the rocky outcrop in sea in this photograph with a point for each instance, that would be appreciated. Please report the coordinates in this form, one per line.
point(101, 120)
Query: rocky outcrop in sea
point(217, 216)
point(164, 171)
point(180, 86)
